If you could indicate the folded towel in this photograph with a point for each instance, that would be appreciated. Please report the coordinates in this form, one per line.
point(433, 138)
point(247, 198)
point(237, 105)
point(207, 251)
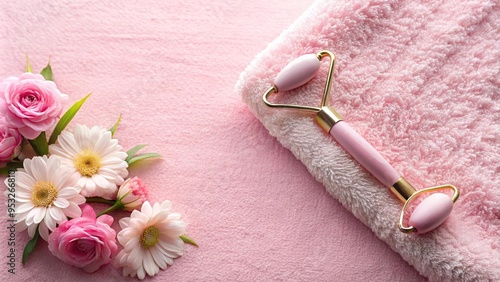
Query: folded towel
point(420, 81)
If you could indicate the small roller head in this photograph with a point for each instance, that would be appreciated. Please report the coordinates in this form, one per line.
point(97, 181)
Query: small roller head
point(431, 212)
point(297, 73)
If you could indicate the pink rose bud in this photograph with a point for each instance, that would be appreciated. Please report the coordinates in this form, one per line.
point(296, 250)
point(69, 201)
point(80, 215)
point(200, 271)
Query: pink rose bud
point(132, 194)
point(30, 103)
point(85, 242)
point(10, 143)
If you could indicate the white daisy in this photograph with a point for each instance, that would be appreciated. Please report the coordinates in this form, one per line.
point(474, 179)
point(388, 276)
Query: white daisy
point(150, 240)
point(95, 157)
point(45, 195)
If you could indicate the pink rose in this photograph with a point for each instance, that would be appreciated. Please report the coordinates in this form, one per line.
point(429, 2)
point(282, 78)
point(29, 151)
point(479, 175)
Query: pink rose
point(132, 194)
point(30, 103)
point(85, 242)
point(10, 143)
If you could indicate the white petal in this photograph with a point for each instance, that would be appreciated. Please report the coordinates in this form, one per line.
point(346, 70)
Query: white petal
point(78, 199)
point(44, 231)
point(129, 271)
point(81, 133)
point(50, 222)
point(173, 229)
point(118, 180)
point(149, 264)
point(57, 214)
point(68, 144)
point(174, 248)
point(23, 199)
point(134, 260)
point(156, 209)
point(23, 194)
point(114, 162)
point(53, 163)
point(158, 258)
point(73, 211)
point(27, 166)
point(24, 180)
point(67, 192)
point(124, 222)
point(30, 216)
point(60, 181)
point(60, 176)
point(73, 180)
point(108, 173)
point(131, 244)
point(24, 207)
point(119, 259)
point(39, 214)
point(32, 229)
point(89, 185)
point(147, 209)
point(159, 217)
point(112, 147)
point(102, 144)
point(100, 181)
point(57, 150)
point(39, 169)
point(166, 205)
point(93, 136)
point(117, 154)
point(141, 273)
point(137, 224)
point(82, 180)
point(61, 203)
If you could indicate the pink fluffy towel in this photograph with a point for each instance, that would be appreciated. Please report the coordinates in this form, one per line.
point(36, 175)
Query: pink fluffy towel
point(420, 81)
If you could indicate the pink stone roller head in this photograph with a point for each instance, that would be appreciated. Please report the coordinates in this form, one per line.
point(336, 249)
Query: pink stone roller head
point(430, 213)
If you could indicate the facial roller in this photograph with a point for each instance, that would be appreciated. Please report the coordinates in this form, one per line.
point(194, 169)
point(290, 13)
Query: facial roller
point(430, 213)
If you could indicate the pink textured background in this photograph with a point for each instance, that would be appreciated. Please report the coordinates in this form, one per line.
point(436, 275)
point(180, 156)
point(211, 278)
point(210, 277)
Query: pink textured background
point(170, 68)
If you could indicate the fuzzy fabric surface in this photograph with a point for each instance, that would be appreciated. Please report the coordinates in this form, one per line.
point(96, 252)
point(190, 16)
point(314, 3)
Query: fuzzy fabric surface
point(170, 68)
point(420, 81)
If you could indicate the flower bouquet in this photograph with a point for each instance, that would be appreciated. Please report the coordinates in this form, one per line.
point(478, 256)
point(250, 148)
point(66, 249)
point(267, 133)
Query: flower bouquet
point(48, 192)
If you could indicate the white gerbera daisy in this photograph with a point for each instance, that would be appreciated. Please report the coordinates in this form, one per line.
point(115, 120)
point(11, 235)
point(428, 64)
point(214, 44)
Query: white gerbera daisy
point(45, 195)
point(95, 157)
point(150, 240)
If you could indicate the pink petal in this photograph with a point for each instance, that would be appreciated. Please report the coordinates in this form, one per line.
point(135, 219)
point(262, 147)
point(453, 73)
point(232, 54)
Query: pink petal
point(105, 219)
point(28, 133)
point(88, 212)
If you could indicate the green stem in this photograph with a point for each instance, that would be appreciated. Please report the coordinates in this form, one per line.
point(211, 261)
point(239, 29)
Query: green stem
point(117, 206)
point(99, 200)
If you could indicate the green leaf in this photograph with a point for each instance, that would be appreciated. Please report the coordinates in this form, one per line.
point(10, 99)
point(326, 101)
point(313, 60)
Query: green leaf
point(30, 247)
point(47, 72)
point(66, 118)
point(28, 65)
point(40, 145)
point(14, 165)
point(113, 129)
point(143, 157)
point(99, 200)
point(131, 153)
point(188, 240)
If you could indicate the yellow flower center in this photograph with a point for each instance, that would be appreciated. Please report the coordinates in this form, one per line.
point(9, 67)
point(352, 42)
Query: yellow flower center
point(87, 163)
point(150, 237)
point(43, 194)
